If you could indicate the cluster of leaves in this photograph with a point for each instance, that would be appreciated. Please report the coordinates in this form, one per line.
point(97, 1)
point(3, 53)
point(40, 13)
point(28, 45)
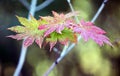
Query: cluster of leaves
point(57, 28)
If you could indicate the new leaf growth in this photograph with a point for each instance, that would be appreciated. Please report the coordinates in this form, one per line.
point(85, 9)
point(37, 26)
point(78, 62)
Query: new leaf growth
point(60, 28)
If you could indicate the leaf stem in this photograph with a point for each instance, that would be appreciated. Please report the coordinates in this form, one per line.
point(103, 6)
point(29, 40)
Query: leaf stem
point(68, 49)
point(24, 49)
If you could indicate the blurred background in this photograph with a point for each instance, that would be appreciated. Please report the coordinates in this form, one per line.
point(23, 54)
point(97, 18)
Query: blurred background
point(86, 59)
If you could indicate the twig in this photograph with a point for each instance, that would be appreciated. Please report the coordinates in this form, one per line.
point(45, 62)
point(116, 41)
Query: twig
point(68, 49)
point(21, 61)
point(25, 3)
point(43, 5)
point(32, 8)
point(99, 11)
point(24, 49)
point(56, 50)
point(57, 61)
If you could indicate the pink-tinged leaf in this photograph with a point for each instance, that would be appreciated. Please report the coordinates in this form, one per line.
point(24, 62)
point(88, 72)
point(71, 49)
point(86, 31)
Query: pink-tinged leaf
point(55, 14)
point(70, 24)
point(57, 23)
point(85, 35)
point(30, 31)
point(98, 30)
point(92, 27)
point(17, 36)
point(89, 31)
point(39, 41)
point(17, 29)
point(101, 39)
point(42, 27)
point(68, 15)
point(52, 44)
point(64, 16)
point(28, 41)
point(47, 19)
point(49, 31)
point(59, 28)
point(77, 29)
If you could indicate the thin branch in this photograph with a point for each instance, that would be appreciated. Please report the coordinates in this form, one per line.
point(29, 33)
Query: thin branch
point(24, 49)
point(56, 50)
point(57, 61)
point(32, 8)
point(50, 69)
point(68, 49)
point(21, 61)
point(43, 5)
point(99, 11)
point(25, 3)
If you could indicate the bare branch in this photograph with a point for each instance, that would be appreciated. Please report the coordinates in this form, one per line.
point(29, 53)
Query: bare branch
point(56, 50)
point(43, 5)
point(99, 11)
point(25, 3)
point(23, 48)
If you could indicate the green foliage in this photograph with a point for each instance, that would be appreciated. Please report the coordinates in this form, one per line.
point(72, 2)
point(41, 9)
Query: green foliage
point(66, 34)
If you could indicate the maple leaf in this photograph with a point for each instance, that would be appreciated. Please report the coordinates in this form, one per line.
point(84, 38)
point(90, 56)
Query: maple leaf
point(89, 31)
point(57, 23)
point(29, 31)
point(65, 36)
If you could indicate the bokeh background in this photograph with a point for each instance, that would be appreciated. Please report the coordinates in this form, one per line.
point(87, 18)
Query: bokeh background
point(86, 59)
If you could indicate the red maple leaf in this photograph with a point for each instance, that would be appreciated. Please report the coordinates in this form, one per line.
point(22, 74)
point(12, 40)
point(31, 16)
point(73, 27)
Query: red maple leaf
point(57, 23)
point(88, 30)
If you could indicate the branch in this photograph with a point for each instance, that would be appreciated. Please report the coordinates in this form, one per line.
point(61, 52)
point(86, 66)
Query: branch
point(21, 61)
point(43, 5)
point(57, 61)
point(67, 49)
point(56, 50)
point(99, 11)
point(25, 3)
point(32, 8)
point(24, 49)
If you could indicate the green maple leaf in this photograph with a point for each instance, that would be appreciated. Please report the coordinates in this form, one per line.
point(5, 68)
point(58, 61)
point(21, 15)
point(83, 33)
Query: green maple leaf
point(65, 36)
